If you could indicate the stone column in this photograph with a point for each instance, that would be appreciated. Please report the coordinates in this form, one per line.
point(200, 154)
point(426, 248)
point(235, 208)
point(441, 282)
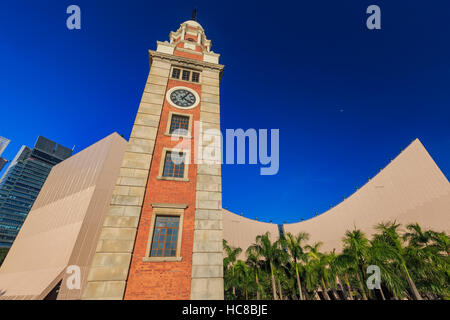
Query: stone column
point(109, 270)
point(207, 255)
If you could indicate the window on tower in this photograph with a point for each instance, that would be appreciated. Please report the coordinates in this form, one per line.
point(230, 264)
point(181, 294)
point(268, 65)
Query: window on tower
point(183, 74)
point(195, 77)
point(165, 236)
point(179, 125)
point(186, 75)
point(166, 232)
point(174, 163)
point(176, 73)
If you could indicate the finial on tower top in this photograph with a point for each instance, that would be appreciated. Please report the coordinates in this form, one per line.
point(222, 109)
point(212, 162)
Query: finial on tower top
point(194, 15)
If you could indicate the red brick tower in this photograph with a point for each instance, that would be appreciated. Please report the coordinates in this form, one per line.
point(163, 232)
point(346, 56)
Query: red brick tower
point(162, 238)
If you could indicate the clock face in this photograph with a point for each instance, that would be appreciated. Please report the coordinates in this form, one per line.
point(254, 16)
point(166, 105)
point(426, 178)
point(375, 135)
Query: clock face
point(183, 98)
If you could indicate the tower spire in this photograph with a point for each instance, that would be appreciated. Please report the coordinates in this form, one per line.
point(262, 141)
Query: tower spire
point(194, 15)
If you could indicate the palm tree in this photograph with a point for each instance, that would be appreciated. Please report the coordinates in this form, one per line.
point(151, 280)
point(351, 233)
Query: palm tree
point(391, 278)
point(356, 247)
point(270, 252)
point(394, 247)
point(415, 265)
point(333, 273)
point(293, 245)
point(244, 277)
point(310, 277)
point(253, 261)
point(416, 236)
point(229, 263)
point(343, 264)
point(319, 266)
point(427, 254)
point(339, 269)
point(441, 242)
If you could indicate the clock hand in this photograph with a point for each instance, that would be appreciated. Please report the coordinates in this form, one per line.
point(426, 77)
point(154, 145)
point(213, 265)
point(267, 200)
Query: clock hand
point(185, 95)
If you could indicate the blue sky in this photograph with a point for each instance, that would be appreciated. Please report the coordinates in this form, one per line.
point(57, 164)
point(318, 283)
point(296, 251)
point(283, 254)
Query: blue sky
point(346, 99)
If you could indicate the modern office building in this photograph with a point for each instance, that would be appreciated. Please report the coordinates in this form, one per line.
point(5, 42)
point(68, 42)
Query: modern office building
point(22, 181)
point(63, 226)
point(3, 161)
point(3, 144)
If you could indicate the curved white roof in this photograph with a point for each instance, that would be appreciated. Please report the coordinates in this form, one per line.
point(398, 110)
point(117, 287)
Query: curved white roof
point(410, 189)
point(193, 23)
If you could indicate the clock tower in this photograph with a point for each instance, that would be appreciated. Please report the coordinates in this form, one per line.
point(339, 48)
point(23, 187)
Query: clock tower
point(162, 236)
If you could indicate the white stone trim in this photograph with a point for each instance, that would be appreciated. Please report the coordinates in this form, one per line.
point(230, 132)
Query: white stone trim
point(186, 61)
point(165, 47)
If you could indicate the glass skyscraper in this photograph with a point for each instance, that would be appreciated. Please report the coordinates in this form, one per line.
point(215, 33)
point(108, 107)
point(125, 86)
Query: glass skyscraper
point(3, 144)
point(21, 183)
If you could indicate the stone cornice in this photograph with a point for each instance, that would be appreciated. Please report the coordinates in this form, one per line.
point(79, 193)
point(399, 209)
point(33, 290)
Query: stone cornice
point(169, 205)
point(185, 61)
point(190, 50)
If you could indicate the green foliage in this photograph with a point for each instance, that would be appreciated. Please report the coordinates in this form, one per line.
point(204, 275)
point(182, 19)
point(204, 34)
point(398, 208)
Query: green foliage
point(414, 264)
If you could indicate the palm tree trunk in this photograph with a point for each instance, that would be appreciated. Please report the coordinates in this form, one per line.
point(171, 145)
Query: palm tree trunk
point(349, 290)
point(273, 283)
point(361, 286)
point(299, 284)
point(372, 295)
point(344, 292)
point(411, 283)
point(279, 289)
point(258, 297)
point(316, 295)
point(306, 293)
point(324, 290)
point(382, 293)
point(273, 288)
point(246, 294)
point(234, 289)
point(335, 294)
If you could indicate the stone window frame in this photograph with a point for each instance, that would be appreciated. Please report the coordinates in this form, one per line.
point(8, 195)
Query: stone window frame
point(191, 70)
point(197, 75)
point(186, 74)
point(169, 122)
point(173, 71)
point(161, 209)
point(186, 164)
